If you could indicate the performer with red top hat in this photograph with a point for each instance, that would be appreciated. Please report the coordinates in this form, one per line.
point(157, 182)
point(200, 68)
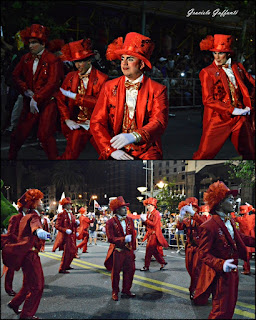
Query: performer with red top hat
point(120, 257)
point(38, 78)
point(228, 94)
point(154, 234)
point(24, 254)
point(189, 216)
point(66, 224)
point(131, 113)
point(220, 247)
point(83, 232)
point(78, 96)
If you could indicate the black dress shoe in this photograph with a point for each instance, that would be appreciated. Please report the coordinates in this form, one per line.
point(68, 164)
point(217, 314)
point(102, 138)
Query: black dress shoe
point(70, 268)
point(63, 271)
point(128, 295)
point(144, 269)
point(163, 265)
point(11, 293)
point(15, 309)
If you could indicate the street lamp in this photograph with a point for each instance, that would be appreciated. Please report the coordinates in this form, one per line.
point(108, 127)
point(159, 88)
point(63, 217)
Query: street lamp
point(142, 189)
point(161, 184)
point(140, 198)
point(93, 197)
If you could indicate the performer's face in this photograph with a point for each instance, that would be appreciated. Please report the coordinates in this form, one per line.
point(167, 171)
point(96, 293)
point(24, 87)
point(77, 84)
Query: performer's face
point(220, 58)
point(82, 66)
point(68, 206)
point(150, 207)
point(122, 211)
point(228, 204)
point(40, 206)
point(131, 66)
point(35, 46)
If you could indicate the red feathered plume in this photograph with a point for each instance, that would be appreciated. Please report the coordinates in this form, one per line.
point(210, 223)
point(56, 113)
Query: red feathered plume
point(66, 52)
point(192, 200)
point(207, 43)
point(215, 193)
point(111, 50)
point(182, 204)
point(30, 198)
point(55, 45)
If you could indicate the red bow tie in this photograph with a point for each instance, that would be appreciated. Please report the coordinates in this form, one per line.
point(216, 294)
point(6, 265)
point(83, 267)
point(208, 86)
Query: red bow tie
point(227, 218)
point(128, 85)
point(122, 219)
point(36, 56)
point(84, 76)
point(225, 65)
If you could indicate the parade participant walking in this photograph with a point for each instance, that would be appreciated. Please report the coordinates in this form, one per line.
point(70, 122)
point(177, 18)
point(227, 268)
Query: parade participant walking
point(228, 105)
point(24, 254)
point(38, 80)
point(220, 247)
point(46, 226)
point(131, 113)
point(66, 225)
point(83, 229)
point(120, 257)
point(78, 96)
point(154, 235)
point(191, 220)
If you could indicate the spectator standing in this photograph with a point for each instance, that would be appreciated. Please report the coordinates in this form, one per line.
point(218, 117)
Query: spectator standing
point(93, 228)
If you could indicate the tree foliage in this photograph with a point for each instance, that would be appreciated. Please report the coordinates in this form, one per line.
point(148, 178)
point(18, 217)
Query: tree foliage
point(242, 169)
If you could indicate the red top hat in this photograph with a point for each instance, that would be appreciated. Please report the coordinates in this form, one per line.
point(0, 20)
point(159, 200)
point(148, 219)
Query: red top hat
point(217, 43)
point(82, 210)
point(35, 31)
point(65, 201)
point(55, 45)
point(117, 203)
point(30, 198)
point(152, 201)
point(217, 192)
point(77, 50)
point(135, 44)
point(204, 208)
point(193, 201)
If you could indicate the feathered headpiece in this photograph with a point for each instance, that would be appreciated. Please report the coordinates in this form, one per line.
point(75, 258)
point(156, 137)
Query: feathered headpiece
point(35, 31)
point(207, 43)
point(217, 43)
point(30, 198)
point(77, 50)
point(64, 201)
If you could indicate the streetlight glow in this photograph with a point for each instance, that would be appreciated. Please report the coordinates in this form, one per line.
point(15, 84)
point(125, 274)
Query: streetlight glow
point(142, 189)
point(140, 198)
point(161, 184)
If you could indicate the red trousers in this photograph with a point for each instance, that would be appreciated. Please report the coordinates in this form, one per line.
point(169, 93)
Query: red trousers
point(8, 279)
point(193, 266)
point(246, 266)
point(123, 260)
point(33, 286)
point(46, 122)
point(83, 244)
point(151, 249)
point(76, 142)
point(218, 131)
point(68, 255)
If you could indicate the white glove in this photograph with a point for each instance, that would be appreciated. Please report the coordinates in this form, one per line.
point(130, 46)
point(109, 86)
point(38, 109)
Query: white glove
point(77, 222)
point(33, 106)
point(121, 140)
point(77, 234)
point(68, 93)
point(68, 231)
point(29, 93)
point(143, 217)
point(187, 208)
point(248, 204)
point(72, 124)
point(121, 155)
point(228, 266)
point(128, 238)
point(43, 234)
point(241, 112)
point(239, 200)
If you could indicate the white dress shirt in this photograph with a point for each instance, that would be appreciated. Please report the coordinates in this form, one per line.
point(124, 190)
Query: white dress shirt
point(227, 224)
point(86, 80)
point(229, 72)
point(123, 224)
point(36, 61)
point(131, 96)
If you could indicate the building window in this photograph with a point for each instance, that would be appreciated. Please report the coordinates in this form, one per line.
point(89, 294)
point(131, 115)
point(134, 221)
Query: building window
point(183, 177)
point(174, 169)
point(174, 161)
point(160, 173)
point(167, 171)
point(183, 168)
point(160, 164)
point(167, 163)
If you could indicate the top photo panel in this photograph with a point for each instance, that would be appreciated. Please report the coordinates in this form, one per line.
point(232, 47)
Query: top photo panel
point(127, 80)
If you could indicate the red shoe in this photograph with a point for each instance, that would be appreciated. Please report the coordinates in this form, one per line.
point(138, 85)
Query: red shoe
point(115, 296)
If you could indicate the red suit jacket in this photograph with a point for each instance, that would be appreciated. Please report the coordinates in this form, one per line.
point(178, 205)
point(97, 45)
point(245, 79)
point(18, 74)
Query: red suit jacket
point(116, 237)
point(247, 226)
point(44, 83)
point(62, 224)
point(151, 115)
point(83, 227)
point(13, 254)
point(216, 246)
point(69, 107)
point(192, 230)
point(13, 230)
point(153, 224)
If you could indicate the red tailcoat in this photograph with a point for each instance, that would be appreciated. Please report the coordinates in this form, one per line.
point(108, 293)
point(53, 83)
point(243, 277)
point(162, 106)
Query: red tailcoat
point(83, 232)
point(151, 117)
point(218, 122)
point(44, 83)
point(216, 246)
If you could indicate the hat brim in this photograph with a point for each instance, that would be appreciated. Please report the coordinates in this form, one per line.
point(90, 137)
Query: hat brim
point(134, 54)
point(65, 58)
point(217, 50)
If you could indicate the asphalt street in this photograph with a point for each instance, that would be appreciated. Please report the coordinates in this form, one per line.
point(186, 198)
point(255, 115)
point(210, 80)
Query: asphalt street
point(180, 140)
point(85, 293)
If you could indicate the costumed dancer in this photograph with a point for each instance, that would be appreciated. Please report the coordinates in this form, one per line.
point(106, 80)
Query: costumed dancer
point(46, 226)
point(38, 79)
point(220, 247)
point(154, 235)
point(121, 257)
point(189, 215)
point(78, 96)
point(66, 224)
point(24, 254)
point(228, 94)
point(131, 113)
point(83, 231)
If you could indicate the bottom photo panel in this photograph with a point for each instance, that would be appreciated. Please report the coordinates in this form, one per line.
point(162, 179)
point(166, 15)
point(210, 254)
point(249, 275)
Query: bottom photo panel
point(172, 239)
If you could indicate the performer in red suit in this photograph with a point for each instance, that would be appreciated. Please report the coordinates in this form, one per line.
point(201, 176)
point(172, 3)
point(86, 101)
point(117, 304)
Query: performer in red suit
point(78, 96)
point(120, 257)
point(227, 99)
point(131, 113)
point(66, 224)
point(46, 226)
point(220, 247)
point(154, 235)
point(83, 232)
point(38, 78)
point(24, 254)
point(189, 214)
point(247, 226)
